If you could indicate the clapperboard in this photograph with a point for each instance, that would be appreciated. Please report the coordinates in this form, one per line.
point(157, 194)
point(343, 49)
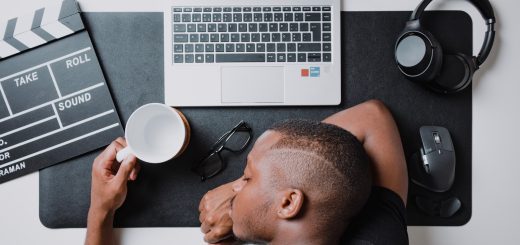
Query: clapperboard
point(54, 103)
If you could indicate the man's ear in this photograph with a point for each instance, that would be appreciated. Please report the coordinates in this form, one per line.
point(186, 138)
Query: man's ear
point(291, 203)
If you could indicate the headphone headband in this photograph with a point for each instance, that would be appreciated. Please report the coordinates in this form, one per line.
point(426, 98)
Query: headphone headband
point(486, 10)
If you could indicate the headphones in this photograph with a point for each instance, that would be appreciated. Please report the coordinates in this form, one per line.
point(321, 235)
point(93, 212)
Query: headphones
point(420, 58)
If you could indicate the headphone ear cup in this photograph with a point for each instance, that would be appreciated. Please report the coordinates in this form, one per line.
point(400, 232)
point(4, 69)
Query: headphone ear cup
point(418, 55)
point(456, 73)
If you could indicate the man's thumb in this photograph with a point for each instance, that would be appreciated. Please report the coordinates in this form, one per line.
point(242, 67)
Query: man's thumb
point(125, 169)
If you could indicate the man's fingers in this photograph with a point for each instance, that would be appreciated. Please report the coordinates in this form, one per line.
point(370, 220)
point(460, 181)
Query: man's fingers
point(135, 171)
point(205, 227)
point(217, 235)
point(126, 168)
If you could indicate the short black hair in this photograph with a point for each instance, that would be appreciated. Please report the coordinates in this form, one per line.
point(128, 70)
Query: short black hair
point(328, 161)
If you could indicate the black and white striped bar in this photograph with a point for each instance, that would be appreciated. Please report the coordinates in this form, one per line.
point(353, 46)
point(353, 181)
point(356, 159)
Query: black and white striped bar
point(57, 20)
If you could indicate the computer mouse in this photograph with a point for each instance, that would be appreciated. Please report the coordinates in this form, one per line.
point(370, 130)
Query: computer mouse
point(433, 167)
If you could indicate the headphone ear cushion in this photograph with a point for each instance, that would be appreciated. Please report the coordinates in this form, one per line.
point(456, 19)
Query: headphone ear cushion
point(456, 73)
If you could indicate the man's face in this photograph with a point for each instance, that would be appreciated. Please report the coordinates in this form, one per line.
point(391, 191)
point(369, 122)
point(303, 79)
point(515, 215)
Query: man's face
point(252, 208)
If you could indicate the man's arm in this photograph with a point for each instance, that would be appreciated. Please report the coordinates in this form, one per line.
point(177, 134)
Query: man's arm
point(109, 179)
point(372, 123)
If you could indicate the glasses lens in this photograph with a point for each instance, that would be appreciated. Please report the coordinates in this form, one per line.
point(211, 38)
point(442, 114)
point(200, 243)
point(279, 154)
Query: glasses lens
point(238, 140)
point(210, 166)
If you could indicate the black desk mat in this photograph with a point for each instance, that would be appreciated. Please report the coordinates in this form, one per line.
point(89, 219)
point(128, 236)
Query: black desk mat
point(130, 47)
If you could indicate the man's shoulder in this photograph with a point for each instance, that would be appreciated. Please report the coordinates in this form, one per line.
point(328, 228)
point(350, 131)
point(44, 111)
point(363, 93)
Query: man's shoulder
point(381, 221)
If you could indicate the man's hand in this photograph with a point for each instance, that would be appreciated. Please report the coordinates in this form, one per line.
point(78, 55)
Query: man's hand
point(214, 217)
point(109, 179)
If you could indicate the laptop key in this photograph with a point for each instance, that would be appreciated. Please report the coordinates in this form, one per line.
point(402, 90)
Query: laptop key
point(327, 47)
point(314, 57)
point(312, 17)
point(219, 48)
point(327, 57)
point(232, 27)
point(204, 38)
point(263, 27)
point(180, 38)
point(177, 9)
point(248, 17)
point(253, 27)
point(327, 27)
point(288, 17)
point(176, 18)
point(276, 37)
point(212, 27)
point(291, 47)
point(326, 17)
point(199, 48)
point(237, 17)
point(188, 48)
point(284, 27)
point(258, 17)
point(235, 38)
point(222, 28)
point(250, 47)
point(189, 58)
point(296, 37)
point(260, 47)
point(196, 18)
point(199, 58)
point(192, 28)
point(217, 17)
point(194, 38)
point(327, 37)
point(179, 28)
point(210, 58)
point(227, 17)
point(268, 17)
point(280, 47)
point(309, 47)
point(302, 57)
point(178, 58)
point(271, 47)
point(186, 17)
point(293, 27)
point(245, 37)
point(242, 27)
point(240, 47)
point(266, 37)
point(304, 26)
point(197, 10)
point(223, 58)
point(306, 37)
point(178, 48)
point(273, 27)
point(298, 17)
point(278, 17)
point(214, 38)
point(316, 32)
point(255, 37)
point(291, 57)
point(224, 37)
point(271, 57)
point(230, 47)
point(201, 28)
point(286, 37)
point(210, 47)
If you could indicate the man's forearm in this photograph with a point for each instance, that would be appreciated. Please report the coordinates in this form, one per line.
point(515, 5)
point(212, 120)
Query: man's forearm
point(375, 128)
point(99, 228)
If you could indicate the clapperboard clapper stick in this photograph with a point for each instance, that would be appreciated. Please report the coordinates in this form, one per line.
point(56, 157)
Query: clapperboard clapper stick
point(54, 99)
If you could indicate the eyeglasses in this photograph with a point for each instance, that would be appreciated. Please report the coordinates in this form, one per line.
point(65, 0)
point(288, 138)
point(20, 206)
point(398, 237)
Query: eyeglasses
point(235, 141)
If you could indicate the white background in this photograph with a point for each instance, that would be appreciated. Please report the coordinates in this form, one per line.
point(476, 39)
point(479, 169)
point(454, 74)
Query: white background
point(496, 133)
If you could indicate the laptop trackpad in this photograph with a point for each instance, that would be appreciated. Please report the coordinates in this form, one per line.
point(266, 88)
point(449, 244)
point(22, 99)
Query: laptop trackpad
point(252, 84)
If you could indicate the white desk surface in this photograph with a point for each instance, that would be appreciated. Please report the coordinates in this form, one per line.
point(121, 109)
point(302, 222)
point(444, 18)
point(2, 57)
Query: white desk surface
point(496, 120)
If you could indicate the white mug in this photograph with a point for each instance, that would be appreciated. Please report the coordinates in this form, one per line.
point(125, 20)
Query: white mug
point(155, 133)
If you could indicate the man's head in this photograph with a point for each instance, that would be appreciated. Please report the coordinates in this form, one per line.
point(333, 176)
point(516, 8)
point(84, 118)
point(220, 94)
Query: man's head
point(301, 172)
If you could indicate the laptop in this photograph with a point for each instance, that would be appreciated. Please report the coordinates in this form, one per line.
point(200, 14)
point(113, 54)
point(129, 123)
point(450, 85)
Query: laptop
point(252, 53)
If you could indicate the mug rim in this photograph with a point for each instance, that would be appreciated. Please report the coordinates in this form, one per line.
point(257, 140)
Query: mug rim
point(177, 118)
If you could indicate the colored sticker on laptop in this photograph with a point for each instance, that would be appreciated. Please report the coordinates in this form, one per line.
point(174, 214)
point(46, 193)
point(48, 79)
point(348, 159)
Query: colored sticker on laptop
point(315, 72)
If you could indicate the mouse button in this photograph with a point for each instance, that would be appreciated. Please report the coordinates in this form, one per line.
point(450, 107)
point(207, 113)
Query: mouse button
point(449, 207)
point(427, 139)
point(446, 140)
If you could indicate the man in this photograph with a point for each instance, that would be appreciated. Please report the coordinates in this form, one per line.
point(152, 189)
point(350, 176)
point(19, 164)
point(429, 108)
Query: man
point(304, 183)
point(291, 216)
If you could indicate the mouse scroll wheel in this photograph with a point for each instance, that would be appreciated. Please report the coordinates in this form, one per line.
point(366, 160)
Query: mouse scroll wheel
point(436, 138)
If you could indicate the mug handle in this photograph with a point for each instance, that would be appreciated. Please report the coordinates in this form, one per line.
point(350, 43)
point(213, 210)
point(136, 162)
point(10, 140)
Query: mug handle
point(122, 154)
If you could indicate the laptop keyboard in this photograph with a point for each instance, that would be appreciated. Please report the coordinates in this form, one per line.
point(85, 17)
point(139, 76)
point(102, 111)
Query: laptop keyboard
point(252, 34)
